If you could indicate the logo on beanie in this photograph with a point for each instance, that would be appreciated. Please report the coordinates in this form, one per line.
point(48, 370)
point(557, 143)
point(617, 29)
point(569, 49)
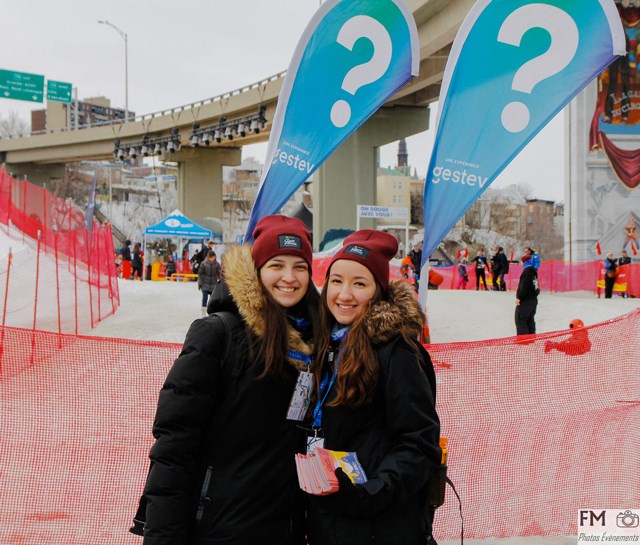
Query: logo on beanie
point(354, 249)
point(290, 241)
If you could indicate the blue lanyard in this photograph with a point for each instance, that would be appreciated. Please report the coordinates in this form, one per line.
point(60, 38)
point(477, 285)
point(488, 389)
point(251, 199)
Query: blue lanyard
point(298, 356)
point(325, 387)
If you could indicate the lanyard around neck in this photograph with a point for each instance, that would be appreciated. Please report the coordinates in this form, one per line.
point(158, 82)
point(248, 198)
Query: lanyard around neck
point(325, 387)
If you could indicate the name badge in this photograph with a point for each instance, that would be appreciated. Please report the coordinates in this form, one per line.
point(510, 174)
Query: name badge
point(301, 397)
point(314, 442)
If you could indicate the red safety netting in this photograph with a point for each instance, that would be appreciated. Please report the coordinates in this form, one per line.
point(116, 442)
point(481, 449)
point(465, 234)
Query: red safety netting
point(538, 429)
point(554, 276)
point(54, 272)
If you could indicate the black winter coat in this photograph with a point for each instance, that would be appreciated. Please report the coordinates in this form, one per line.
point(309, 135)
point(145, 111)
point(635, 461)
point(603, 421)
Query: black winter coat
point(223, 469)
point(396, 438)
point(528, 287)
point(499, 264)
point(208, 275)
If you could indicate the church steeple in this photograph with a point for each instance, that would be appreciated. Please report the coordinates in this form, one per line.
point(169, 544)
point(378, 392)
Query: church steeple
point(403, 156)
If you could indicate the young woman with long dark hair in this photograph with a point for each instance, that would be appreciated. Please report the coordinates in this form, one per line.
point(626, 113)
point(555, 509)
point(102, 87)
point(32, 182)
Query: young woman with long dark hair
point(223, 469)
point(375, 397)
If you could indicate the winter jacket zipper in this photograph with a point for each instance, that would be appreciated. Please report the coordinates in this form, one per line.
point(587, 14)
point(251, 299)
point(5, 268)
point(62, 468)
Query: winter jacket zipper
point(204, 500)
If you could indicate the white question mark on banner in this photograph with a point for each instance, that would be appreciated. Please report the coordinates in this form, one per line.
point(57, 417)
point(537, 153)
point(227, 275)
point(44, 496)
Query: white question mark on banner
point(564, 44)
point(362, 26)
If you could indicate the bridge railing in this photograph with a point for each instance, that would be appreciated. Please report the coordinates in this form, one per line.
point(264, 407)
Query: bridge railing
point(161, 113)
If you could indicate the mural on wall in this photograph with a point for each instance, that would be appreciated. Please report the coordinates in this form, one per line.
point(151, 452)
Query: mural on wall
point(617, 109)
point(631, 232)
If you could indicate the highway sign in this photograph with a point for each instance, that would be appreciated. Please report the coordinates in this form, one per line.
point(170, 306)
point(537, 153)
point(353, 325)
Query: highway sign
point(58, 91)
point(21, 86)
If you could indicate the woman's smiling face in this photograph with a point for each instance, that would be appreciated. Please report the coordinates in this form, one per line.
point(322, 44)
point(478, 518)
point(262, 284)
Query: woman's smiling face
point(350, 287)
point(286, 278)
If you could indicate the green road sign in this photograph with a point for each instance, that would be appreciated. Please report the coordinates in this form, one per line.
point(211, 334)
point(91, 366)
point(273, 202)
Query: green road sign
point(59, 91)
point(21, 86)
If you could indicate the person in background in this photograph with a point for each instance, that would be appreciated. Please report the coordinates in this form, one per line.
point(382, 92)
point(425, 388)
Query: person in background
point(416, 258)
point(535, 258)
point(136, 263)
point(610, 272)
point(463, 277)
point(495, 270)
point(376, 397)
point(126, 259)
point(576, 345)
point(208, 277)
point(527, 298)
point(195, 261)
point(499, 267)
point(407, 273)
point(624, 259)
point(223, 463)
point(171, 266)
point(480, 266)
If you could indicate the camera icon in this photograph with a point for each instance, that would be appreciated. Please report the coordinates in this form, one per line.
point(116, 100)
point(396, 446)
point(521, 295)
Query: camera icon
point(627, 519)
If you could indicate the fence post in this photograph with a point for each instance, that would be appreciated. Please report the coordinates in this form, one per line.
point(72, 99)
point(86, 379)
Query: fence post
point(88, 245)
point(4, 311)
point(35, 300)
point(75, 274)
point(55, 251)
point(98, 231)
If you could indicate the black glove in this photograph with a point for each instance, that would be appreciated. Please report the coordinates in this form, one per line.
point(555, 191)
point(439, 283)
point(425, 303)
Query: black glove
point(351, 499)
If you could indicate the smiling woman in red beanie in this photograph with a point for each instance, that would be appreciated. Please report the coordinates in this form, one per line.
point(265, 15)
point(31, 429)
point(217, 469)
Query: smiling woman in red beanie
point(375, 397)
point(223, 469)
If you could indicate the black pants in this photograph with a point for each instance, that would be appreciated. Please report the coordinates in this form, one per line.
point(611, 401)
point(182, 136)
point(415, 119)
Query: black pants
point(494, 278)
point(525, 313)
point(608, 286)
point(479, 275)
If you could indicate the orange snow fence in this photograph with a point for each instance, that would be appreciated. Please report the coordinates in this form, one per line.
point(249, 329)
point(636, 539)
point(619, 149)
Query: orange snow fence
point(54, 272)
point(535, 433)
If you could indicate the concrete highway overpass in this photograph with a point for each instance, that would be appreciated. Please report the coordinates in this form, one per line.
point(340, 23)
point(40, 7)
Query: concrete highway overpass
point(43, 156)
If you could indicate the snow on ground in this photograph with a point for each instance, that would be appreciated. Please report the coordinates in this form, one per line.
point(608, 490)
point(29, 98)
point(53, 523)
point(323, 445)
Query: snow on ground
point(163, 311)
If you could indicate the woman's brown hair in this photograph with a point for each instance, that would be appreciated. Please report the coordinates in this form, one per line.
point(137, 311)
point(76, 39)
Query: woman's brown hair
point(272, 347)
point(358, 370)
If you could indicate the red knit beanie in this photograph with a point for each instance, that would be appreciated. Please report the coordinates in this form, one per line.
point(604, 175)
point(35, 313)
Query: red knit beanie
point(278, 235)
point(373, 249)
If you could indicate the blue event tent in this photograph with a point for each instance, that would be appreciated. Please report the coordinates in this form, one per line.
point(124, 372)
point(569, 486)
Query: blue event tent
point(176, 225)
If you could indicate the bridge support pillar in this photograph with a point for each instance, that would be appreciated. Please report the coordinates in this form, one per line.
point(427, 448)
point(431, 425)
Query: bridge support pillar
point(200, 180)
point(348, 177)
point(36, 173)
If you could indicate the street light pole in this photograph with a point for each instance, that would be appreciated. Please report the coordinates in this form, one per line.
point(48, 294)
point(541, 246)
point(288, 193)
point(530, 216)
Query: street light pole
point(123, 35)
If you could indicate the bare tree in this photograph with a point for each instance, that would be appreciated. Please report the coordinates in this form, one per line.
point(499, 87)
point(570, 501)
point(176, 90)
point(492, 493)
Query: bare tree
point(525, 190)
point(417, 208)
point(12, 125)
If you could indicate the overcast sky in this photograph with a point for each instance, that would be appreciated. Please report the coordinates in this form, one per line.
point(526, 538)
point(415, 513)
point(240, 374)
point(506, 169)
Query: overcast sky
point(183, 52)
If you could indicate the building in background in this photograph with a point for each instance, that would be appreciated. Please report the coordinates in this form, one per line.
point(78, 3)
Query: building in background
point(603, 160)
point(239, 191)
point(78, 114)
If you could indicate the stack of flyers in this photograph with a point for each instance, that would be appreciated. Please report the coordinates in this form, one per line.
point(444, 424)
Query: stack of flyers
point(316, 470)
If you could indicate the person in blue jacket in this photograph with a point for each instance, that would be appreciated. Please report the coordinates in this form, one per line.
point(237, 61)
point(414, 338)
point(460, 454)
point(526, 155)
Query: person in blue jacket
point(535, 257)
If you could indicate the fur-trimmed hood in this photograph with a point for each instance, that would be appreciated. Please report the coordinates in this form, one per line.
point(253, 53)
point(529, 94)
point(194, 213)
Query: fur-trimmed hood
point(399, 313)
point(241, 278)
